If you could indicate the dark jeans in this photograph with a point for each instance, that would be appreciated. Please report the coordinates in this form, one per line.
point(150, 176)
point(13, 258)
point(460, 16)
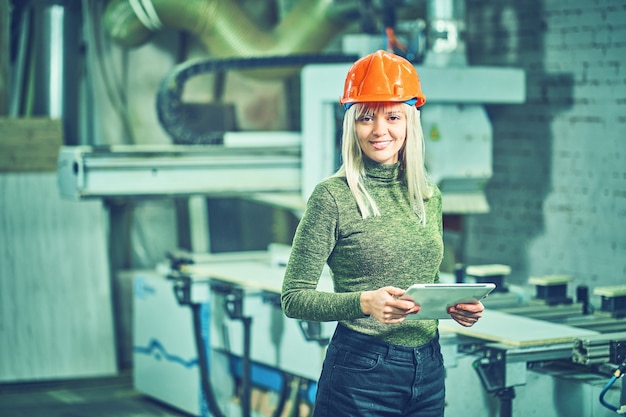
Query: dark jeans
point(363, 376)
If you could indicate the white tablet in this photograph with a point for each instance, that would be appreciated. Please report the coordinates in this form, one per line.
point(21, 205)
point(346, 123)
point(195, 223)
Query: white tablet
point(435, 299)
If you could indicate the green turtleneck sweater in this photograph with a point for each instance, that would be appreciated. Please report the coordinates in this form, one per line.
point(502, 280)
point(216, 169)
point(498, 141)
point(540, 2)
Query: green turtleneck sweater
point(390, 249)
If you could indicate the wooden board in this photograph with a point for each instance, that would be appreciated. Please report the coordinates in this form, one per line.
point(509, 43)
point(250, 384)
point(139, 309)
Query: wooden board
point(56, 318)
point(514, 330)
point(256, 275)
point(611, 291)
point(29, 144)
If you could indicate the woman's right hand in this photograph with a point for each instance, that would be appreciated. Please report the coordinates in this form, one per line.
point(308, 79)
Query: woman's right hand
point(385, 305)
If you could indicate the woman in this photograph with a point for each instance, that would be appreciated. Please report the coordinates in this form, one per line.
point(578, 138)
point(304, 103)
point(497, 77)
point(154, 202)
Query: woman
point(377, 223)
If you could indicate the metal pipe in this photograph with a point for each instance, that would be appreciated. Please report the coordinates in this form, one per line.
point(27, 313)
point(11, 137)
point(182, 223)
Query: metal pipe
point(224, 28)
point(48, 78)
point(445, 20)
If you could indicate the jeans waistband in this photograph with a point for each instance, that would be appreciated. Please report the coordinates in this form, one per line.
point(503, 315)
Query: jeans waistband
point(373, 344)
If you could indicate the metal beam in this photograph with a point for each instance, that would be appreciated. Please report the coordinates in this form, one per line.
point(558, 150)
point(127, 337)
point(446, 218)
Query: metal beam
point(137, 170)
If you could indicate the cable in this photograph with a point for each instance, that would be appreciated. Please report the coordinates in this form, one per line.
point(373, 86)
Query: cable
point(283, 395)
point(604, 391)
point(101, 62)
point(152, 14)
point(170, 107)
point(23, 35)
point(616, 375)
point(203, 361)
point(146, 13)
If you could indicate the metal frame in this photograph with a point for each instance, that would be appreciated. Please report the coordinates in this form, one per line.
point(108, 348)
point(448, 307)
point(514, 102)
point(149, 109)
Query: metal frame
point(137, 170)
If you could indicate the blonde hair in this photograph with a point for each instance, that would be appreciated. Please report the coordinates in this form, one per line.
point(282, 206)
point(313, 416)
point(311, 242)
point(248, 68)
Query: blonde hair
point(411, 158)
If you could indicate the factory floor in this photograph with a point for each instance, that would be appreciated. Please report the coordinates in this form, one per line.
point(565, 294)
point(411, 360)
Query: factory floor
point(93, 397)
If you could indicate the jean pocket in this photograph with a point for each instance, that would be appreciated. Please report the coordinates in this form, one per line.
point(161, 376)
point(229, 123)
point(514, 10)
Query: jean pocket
point(357, 361)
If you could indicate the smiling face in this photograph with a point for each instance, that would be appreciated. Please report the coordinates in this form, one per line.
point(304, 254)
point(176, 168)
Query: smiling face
point(381, 130)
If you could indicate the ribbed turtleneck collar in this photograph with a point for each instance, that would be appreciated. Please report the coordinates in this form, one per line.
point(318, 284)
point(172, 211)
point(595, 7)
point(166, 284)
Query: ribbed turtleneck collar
point(382, 172)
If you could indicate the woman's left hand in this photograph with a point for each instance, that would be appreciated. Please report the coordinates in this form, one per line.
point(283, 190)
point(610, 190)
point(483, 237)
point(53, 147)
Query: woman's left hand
point(466, 314)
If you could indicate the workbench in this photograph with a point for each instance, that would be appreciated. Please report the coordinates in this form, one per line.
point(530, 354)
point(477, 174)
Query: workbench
point(517, 331)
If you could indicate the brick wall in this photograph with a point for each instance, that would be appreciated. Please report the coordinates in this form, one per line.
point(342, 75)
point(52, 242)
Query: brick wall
point(558, 193)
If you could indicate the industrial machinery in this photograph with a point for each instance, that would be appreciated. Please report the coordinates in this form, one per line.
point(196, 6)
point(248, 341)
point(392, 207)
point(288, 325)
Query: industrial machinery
point(547, 355)
point(458, 154)
point(225, 306)
point(292, 171)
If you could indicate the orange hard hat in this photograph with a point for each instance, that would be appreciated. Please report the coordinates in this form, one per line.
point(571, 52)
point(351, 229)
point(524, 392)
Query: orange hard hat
point(382, 76)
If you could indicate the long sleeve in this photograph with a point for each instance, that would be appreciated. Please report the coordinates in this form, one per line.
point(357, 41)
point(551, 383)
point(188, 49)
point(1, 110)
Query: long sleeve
point(313, 243)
